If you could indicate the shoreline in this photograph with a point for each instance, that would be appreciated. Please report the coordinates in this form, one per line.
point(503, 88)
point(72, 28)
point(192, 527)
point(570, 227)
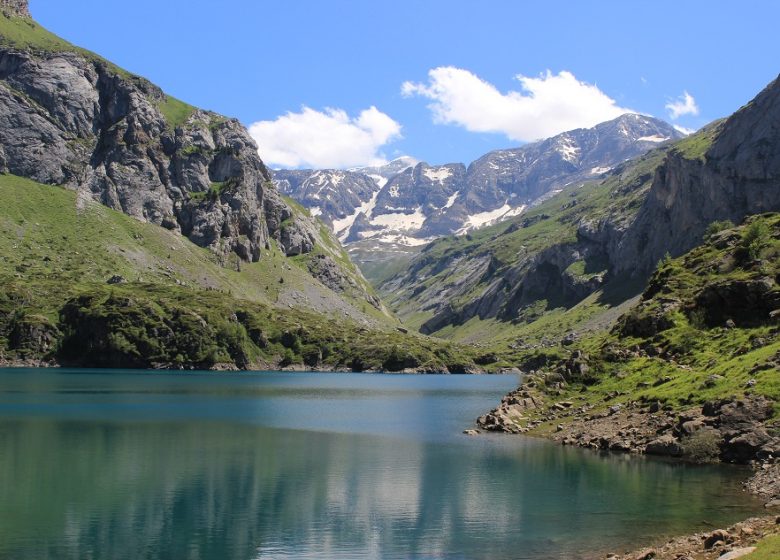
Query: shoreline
point(257, 368)
point(730, 432)
point(736, 541)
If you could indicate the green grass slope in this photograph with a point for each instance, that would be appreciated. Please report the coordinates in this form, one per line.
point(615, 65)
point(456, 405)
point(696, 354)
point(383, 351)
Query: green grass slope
point(707, 327)
point(175, 305)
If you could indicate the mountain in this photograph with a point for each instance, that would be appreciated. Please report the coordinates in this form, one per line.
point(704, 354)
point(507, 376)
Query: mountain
point(690, 370)
point(408, 205)
point(596, 240)
point(140, 231)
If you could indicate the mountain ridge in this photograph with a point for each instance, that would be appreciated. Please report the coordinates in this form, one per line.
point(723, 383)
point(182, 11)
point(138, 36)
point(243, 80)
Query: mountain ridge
point(419, 203)
point(584, 238)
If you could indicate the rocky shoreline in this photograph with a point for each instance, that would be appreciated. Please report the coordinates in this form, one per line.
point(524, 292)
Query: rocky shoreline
point(732, 431)
point(734, 542)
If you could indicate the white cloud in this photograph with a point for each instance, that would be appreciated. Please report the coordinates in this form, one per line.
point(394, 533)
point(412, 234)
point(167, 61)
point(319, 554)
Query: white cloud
point(329, 139)
point(684, 130)
point(545, 106)
point(683, 105)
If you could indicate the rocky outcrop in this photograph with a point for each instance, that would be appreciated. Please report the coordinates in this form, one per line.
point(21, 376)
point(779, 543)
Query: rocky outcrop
point(730, 430)
point(70, 120)
point(510, 415)
point(738, 174)
point(15, 8)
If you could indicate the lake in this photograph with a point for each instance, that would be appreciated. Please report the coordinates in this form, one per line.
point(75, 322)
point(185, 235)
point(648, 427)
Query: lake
point(131, 464)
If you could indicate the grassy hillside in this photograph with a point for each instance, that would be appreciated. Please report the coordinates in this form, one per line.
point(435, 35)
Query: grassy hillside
point(173, 303)
point(707, 327)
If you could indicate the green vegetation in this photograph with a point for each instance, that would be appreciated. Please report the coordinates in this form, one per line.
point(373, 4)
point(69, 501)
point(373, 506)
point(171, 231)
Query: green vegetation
point(175, 112)
point(717, 227)
point(706, 328)
point(174, 304)
point(696, 145)
point(767, 548)
point(215, 190)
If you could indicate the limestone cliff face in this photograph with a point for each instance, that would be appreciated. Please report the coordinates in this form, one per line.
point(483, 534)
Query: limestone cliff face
point(74, 120)
point(737, 176)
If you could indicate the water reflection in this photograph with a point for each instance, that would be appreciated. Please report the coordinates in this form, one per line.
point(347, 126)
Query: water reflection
point(146, 487)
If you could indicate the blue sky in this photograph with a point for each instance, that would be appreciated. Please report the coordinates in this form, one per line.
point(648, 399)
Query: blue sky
point(325, 79)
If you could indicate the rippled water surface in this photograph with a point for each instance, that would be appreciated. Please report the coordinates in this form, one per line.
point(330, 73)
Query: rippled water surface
point(128, 465)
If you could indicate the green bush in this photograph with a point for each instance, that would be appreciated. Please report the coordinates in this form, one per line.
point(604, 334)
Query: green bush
point(717, 227)
point(703, 446)
point(755, 238)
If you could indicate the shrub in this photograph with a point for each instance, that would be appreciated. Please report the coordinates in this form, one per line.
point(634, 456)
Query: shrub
point(702, 446)
point(717, 227)
point(754, 239)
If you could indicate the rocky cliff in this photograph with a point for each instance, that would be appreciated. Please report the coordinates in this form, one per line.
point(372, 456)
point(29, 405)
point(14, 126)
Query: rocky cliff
point(15, 8)
point(69, 118)
point(730, 171)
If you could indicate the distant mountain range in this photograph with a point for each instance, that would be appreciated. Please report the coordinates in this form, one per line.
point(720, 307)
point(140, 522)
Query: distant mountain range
point(409, 203)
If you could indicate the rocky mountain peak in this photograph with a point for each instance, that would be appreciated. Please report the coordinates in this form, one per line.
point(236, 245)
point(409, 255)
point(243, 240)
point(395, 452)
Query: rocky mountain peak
point(17, 8)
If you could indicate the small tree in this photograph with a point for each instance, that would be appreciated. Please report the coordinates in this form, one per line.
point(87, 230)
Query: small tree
point(755, 239)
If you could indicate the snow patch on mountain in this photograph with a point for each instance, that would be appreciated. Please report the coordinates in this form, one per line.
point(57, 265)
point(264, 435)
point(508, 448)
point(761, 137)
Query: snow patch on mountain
point(437, 175)
point(482, 219)
point(400, 221)
point(451, 200)
point(653, 138)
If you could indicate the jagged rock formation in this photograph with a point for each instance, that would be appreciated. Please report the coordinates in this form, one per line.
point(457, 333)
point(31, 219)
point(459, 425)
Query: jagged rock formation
point(409, 204)
point(70, 119)
point(15, 8)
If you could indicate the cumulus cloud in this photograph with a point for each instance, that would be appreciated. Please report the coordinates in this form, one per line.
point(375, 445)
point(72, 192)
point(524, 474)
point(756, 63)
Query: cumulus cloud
point(683, 105)
point(325, 139)
point(544, 106)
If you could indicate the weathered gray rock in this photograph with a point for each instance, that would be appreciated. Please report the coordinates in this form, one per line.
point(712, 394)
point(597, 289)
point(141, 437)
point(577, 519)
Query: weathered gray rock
point(664, 445)
point(739, 175)
point(75, 121)
point(15, 8)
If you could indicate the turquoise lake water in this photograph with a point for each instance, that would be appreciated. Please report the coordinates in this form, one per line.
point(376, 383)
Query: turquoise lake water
point(128, 464)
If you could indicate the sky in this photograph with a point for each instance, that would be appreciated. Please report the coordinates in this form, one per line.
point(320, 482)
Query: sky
point(348, 83)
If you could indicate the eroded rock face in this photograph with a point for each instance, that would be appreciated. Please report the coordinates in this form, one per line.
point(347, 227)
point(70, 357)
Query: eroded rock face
point(78, 122)
point(738, 175)
point(18, 8)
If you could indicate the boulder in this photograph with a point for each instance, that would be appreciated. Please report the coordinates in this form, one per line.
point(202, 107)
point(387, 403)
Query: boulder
point(718, 536)
point(664, 445)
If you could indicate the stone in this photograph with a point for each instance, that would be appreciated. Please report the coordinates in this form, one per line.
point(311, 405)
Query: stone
point(75, 122)
point(737, 553)
point(718, 536)
point(471, 432)
point(664, 445)
point(646, 554)
point(15, 8)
